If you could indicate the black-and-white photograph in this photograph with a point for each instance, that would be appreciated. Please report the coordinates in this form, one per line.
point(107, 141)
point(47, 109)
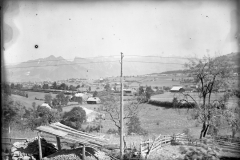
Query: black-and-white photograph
point(120, 80)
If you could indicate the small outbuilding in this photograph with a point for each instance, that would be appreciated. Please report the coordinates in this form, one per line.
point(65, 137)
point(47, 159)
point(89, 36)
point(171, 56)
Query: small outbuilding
point(46, 105)
point(177, 89)
point(93, 100)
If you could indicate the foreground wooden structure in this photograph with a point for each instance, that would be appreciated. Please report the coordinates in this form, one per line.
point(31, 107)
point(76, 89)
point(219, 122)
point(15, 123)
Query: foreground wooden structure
point(72, 135)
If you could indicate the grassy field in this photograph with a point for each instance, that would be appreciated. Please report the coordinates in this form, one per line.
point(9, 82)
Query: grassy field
point(156, 120)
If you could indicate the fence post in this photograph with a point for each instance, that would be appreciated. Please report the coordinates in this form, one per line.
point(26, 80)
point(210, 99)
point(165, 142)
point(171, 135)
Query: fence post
point(39, 145)
point(58, 143)
point(83, 152)
point(140, 149)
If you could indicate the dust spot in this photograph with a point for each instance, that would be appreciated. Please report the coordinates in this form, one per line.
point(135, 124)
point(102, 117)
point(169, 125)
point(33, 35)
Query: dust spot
point(36, 46)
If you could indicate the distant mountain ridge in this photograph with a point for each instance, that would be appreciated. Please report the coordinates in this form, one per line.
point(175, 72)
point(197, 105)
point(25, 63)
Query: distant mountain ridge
point(234, 58)
point(57, 68)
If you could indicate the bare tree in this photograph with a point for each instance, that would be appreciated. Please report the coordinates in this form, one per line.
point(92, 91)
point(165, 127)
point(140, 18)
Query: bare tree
point(111, 105)
point(210, 75)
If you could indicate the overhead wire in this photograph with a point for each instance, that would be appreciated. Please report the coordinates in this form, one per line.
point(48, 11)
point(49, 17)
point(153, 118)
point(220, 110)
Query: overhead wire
point(154, 62)
point(161, 57)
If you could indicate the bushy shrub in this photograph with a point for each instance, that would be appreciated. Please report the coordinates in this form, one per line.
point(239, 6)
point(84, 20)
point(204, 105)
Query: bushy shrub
point(134, 126)
point(112, 131)
point(74, 118)
point(168, 104)
point(93, 128)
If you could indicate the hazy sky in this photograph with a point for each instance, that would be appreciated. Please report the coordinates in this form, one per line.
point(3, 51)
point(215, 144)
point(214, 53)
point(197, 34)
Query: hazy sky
point(88, 29)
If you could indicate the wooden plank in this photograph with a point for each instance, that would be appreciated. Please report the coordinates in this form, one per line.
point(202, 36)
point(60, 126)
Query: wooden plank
point(15, 138)
point(58, 124)
point(51, 131)
point(79, 135)
point(81, 141)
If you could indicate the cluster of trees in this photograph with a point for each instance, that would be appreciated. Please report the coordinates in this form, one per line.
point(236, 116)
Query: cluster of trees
point(6, 89)
point(13, 89)
point(15, 114)
point(110, 105)
point(20, 93)
point(212, 74)
point(16, 86)
point(147, 93)
point(58, 102)
point(174, 104)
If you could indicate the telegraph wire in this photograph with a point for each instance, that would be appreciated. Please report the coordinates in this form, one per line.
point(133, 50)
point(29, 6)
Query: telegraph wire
point(160, 57)
point(155, 62)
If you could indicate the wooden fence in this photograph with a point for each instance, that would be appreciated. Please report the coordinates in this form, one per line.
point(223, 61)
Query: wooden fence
point(226, 145)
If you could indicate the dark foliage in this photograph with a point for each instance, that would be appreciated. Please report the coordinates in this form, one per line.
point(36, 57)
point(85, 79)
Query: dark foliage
point(74, 118)
point(168, 104)
point(47, 148)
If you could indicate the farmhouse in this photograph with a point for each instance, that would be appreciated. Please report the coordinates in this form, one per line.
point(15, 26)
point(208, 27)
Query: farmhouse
point(93, 100)
point(84, 96)
point(177, 89)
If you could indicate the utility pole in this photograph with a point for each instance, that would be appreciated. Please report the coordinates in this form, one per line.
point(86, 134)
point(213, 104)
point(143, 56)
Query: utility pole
point(121, 112)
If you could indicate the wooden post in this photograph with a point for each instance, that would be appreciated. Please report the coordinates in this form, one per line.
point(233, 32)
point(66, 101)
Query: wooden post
point(40, 146)
point(83, 152)
point(140, 149)
point(58, 143)
point(121, 113)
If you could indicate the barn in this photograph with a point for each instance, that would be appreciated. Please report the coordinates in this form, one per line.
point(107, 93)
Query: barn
point(93, 100)
point(177, 89)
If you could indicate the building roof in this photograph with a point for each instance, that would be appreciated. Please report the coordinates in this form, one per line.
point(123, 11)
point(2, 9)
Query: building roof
point(46, 105)
point(79, 95)
point(176, 88)
point(93, 99)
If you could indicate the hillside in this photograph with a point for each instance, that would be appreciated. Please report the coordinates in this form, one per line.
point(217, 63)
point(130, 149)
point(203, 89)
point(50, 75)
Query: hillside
point(233, 57)
point(57, 68)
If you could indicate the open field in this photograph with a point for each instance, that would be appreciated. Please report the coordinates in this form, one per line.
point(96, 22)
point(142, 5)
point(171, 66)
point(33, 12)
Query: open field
point(156, 120)
point(168, 96)
point(31, 98)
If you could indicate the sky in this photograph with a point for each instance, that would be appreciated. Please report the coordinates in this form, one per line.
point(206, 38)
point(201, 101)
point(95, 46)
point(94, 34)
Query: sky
point(38, 29)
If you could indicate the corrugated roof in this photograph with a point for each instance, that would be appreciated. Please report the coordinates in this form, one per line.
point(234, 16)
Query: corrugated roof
point(73, 135)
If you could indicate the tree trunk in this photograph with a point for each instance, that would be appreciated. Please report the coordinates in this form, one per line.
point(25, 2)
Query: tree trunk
point(203, 129)
point(205, 132)
point(233, 132)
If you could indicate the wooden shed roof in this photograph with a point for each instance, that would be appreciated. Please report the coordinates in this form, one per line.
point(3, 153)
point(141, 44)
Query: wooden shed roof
point(73, 135)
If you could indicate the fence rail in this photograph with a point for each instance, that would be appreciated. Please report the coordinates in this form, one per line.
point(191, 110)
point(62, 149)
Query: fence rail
point(146, 147)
